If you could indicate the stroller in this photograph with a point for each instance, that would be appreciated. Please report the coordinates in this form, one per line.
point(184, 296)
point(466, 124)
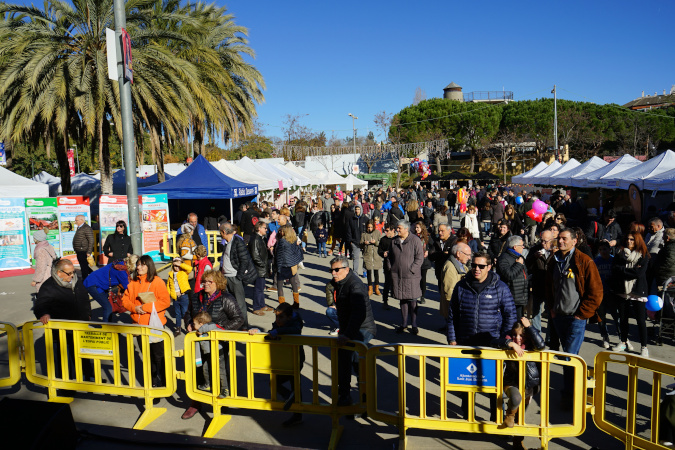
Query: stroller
point(665, 319)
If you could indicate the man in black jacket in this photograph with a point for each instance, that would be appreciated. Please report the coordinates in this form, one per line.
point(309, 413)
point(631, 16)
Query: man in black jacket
point(537, 261)
point(83, 244)
point(259, 255)
point(64, 297)
point(237, 266)
point(440, 248)
point(511, 269)
point(355, 227)
point(248, 220)
point(355, 317)
point(383, 247)
point(613, 233)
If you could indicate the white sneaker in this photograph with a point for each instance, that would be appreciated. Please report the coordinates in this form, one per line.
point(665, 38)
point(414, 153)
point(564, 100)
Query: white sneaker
point(301, 265)
point(334, 332)
point(620, 347)
point(629, 346)
point(605, 343)
point(645, 352)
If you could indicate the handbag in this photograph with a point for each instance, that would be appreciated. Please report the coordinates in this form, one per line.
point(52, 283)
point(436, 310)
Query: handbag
point(155, 322)
point(115, 294)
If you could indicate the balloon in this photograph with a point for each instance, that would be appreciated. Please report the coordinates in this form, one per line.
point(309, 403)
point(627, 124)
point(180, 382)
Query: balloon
point(539, 207)
point(550, 209)
point(532, 214)
point(654, 303)
point(519, 200)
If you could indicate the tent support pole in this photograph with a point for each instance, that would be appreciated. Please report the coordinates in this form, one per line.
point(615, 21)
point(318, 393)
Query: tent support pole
point(231, 211)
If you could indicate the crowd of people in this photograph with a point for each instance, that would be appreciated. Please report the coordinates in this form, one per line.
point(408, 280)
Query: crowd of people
point(497, 273)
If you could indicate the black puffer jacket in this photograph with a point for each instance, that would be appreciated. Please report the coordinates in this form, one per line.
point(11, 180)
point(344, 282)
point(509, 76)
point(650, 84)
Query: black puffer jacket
point(498, 245)
point(514, 274)
point(355, 228)
point(61, 302)
point(119, 245)
point(511, 372)
point(83, 240)
point(223, 310)
point(664, 263)
point(259, 254)
point(353, 306)
point(241, 261)
point(287, 254)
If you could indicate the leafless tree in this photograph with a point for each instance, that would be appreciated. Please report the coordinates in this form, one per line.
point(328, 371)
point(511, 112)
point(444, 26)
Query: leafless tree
point(383, 122)
point(420, 95)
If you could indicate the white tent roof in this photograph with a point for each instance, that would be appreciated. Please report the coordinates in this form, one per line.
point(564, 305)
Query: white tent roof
point(14, 185)
point(518, 179)
point(303, 172)
point(578, 179)
point(331, 178)
point(230, 169)
point(249, 165)
point(657, 167)
point(600, 177)
point(54, 183)
point(542, 177)
point(660, 182)
point(565, 170)
point(172, 169)
point(296, 178)
point(353, 181)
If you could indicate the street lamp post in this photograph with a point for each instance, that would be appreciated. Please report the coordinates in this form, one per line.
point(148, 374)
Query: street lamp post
point(354, 128)
point(555, 118)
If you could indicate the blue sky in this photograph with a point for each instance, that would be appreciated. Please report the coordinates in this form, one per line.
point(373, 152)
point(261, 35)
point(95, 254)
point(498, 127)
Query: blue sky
point(328, 59)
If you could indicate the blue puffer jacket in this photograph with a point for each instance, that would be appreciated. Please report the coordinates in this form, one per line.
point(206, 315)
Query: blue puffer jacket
point(483, 319)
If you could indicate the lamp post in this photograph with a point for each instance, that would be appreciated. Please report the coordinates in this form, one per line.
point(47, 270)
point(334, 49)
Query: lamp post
point(555, 118)
point(354, 128)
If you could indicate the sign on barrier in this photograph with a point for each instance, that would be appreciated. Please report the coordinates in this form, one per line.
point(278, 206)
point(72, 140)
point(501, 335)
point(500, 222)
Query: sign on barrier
point(468, 371)
point(13, 354)
point(274, 359)
point(631, 365)
point(74, 355)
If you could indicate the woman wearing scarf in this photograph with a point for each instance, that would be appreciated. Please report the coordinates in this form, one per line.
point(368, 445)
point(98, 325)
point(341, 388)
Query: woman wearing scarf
point(470, 221)
point(629, 285)
point(44, 255)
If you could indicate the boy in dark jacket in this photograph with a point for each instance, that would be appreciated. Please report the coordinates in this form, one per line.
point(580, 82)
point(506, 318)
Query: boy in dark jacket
point(321, 236)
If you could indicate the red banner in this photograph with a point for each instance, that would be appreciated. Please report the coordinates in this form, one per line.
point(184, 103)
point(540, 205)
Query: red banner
point(71, 161)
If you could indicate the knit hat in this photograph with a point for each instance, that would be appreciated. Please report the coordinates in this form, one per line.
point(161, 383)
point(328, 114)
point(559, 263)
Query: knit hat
point(186, 228)
point(40, 236)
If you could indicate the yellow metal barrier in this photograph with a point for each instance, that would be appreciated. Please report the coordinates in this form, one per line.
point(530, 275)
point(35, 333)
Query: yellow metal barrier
point(483, 374)
point(273, 358)
point(82, 344)
point(13, 354)
point(631, 364)
point(170, 247)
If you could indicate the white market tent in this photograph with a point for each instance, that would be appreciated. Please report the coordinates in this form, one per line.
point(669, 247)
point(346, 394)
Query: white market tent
point(249, 165)
point(296, 179)
point(14, 185)
point(354, 182)
point(542, 177)
point(518, 179)
point(657, 167)
point(332, 178)
point(80, 184)
point(230, 169)
point(54, 183)
point(600, 177)
point(579, 177)
point(565, 170)
point(314, 180)
point(172, 169)
point(661, 182)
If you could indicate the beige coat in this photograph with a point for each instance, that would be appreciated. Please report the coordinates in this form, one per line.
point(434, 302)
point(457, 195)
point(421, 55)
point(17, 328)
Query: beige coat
point(450, 278)
point(371, 260)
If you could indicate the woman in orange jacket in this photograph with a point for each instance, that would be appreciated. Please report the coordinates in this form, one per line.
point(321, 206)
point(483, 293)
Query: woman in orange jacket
point(146, 280)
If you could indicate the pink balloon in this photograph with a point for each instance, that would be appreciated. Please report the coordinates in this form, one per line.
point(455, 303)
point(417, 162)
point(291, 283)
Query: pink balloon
point(539, 207)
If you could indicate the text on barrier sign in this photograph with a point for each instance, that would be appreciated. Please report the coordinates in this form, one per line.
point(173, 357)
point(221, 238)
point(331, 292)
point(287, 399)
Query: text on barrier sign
point(96, 343)
point(472, 372)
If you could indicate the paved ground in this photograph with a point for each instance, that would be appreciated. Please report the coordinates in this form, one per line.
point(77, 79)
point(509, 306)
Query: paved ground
point(260, 427)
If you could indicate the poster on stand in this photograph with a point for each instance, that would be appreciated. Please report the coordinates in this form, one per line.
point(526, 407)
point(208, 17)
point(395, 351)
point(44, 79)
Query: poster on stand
point(42, 215)
point(111, 208)
point(154, 223)
point(69, 207)
point(14, 248)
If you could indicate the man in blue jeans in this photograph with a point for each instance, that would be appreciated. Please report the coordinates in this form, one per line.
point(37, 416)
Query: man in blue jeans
point(355, 321)
point(574, 293)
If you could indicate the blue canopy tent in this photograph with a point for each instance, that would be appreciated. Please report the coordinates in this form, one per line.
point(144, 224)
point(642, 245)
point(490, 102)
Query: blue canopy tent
point(200, 180)
point(120, 181)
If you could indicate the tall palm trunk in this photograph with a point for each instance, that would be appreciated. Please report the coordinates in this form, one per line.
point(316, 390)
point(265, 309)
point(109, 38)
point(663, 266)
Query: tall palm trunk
point(157, 153)
point(64, 167)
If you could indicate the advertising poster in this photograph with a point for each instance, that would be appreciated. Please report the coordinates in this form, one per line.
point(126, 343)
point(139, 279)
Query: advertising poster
point(3, 155)
point(154, 223)
point(71, 161)
point(69, 207)
point(112, 208)
point(41, 215)
point(14, 249)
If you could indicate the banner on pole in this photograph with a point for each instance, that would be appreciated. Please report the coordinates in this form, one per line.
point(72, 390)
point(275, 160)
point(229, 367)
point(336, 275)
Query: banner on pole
point(71, 161)
point(42, 215)
point(14, 249)
point(69, 207)
point(126, 54)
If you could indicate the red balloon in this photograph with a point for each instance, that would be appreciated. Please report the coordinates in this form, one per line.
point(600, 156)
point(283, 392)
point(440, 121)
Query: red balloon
point(534, 215)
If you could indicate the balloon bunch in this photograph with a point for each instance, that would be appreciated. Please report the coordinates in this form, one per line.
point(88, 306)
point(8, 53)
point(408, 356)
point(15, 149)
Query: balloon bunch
point(538, 210)
point(421, 166)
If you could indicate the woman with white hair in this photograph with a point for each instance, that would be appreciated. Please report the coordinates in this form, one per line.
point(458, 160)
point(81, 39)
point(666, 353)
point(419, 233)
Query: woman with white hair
point(44, 254)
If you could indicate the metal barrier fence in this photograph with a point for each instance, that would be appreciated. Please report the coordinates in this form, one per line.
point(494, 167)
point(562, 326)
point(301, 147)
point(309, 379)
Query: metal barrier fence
point(272, 359)
point(13, 354)
point(86, 348)
point(469, 371)
point(632, 364)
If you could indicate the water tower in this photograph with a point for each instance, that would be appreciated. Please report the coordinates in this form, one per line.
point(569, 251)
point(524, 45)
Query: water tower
point(453, 92)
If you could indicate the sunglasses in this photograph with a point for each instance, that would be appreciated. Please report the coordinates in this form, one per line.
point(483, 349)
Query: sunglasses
point(479, 266)
point(337, 269)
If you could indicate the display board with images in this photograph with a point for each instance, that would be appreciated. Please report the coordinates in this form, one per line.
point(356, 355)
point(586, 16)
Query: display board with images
point(14, 248)
point(69, 207)
point(42, 214)
point(112, 208)
point(154, 224)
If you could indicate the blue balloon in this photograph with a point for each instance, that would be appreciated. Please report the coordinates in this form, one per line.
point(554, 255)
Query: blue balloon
point(654, 303)
point(519, 200)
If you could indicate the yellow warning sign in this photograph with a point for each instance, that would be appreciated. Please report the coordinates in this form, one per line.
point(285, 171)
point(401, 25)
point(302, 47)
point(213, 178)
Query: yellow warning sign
point(96, 343)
